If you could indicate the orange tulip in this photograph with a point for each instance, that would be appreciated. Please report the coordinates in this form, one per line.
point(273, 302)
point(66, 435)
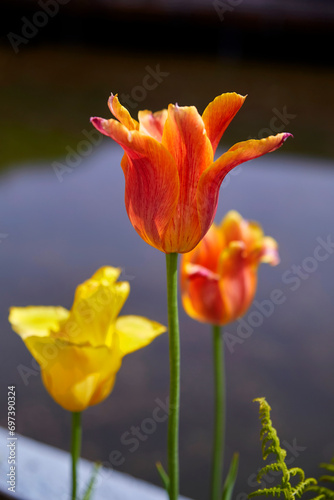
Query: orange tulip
point(219, 277)
point(171, 179)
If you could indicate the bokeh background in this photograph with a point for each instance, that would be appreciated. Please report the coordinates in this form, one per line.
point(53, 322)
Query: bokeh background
point(62, 215)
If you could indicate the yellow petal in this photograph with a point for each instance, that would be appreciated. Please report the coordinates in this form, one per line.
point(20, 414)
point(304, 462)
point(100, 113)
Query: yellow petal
point(75, 376)
point(96, 305)
point(121, 113)
point(96, 288)
point(105, 276)
point(39, 320)
point(265, 250)
point(233, 227)
point(135, 332)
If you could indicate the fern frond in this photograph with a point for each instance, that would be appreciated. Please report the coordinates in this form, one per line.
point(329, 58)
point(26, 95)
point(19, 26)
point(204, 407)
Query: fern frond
point(327, 464)
point(303, 486)
point(329, 467)
point(274, 491)
point(323, 492)
point(297, 470)
point(268, 468)
point(327, 478)
point(271, 445)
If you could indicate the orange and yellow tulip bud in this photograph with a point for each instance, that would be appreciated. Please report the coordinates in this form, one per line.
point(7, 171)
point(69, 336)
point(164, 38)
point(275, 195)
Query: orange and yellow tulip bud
point(171, 178)
point(219, 277)
point(80, 351)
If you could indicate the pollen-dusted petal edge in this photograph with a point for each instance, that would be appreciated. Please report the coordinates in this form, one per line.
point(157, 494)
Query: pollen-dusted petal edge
point(171, 178)
point(80, 351)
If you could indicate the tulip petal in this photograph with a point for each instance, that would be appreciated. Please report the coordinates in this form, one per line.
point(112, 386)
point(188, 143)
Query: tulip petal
point(235, 228)
point(184, 136)
point(105, 276)
point(75, 376)
point(151, 182)
point(135, 332)
point(36, 320)
point(259, 248)
point(206, 254)
point(121, 113)
point(218, 115)
point(211, 179)
point(197, 271)
point(265, 251)
point(238, 281)
point(201, 297)
point(95, 308)
point(152, 123)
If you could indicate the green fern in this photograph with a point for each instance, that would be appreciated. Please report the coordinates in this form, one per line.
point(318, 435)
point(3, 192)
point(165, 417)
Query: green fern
point(271, 445)
point(323, 492)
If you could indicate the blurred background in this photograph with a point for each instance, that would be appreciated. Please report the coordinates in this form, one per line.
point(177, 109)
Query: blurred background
point(62, 215)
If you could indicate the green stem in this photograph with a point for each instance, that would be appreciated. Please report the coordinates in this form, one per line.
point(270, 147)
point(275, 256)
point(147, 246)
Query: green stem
point(174, 390)
point(219, 412)
point(75, 449)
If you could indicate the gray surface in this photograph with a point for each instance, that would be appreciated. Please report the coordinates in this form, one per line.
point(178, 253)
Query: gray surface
point(58, 234)
point(43, 472)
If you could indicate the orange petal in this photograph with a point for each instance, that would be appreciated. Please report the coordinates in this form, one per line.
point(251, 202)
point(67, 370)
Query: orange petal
point(100, 124)
point(151, 182)
point(201, 297)
point(121, 113)
point(218, 115)
point(211, 179)
point(207, 252)
point(184, 136)
point(152, 123)
point(238, 281)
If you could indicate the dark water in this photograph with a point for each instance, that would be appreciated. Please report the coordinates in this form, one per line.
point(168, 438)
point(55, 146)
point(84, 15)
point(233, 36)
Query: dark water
point(54, 235)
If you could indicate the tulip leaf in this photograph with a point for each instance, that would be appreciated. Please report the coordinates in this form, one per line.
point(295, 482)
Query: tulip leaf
point(91, 483)
point(163, 474)
point(231, 478)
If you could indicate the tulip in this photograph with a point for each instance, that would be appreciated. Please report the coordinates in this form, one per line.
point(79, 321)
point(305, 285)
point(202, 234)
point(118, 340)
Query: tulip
point(80, 351)
point(171, 178)
point(172, 184)
point(219, 277)
point(218, 284)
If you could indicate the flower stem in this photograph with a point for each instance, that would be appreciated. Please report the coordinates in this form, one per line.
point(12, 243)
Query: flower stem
point(75, 449)
point(219, 412)
point(174, 390)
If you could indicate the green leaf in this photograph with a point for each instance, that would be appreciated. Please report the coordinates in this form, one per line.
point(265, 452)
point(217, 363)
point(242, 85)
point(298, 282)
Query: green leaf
point(163, 474)
point(231, 478)
point(90, 485)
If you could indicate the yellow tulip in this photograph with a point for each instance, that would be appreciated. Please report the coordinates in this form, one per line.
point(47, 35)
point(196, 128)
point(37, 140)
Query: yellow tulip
point(80, 351)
